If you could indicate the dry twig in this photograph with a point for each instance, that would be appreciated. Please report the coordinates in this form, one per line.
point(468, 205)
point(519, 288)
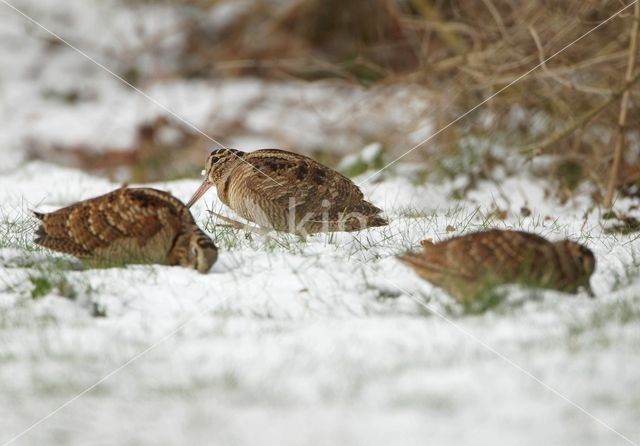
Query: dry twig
point(538, 148)
point(622, 118)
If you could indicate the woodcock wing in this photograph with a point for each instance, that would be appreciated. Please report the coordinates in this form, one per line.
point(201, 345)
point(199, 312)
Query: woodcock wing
point(287, 192)
point(128, 225)
point(468, 265)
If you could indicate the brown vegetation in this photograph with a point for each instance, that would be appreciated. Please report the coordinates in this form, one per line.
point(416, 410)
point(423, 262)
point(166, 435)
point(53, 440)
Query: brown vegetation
point(565, 71)
point(467, 51)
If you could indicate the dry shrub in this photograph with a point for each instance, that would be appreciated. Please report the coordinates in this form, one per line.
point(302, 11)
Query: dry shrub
point(359, 40)
point(466, 50)
point(477, 48)
point(463, 51)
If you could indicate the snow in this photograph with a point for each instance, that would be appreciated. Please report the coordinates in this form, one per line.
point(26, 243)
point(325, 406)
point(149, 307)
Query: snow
point(367, 157)
point(327, 340)
point(323, 340)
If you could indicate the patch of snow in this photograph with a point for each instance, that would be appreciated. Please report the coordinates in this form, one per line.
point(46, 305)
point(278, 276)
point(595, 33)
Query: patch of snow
point(319, 339)
point(316, 341)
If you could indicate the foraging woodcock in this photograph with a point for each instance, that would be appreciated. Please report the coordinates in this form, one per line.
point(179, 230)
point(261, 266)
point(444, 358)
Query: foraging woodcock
point(287, 192)
point(468, 265)
point(128, 225)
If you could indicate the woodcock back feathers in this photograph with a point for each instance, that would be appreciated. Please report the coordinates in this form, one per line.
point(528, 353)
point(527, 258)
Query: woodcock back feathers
point(287, 192)
point(128, 225)
point(468, 265)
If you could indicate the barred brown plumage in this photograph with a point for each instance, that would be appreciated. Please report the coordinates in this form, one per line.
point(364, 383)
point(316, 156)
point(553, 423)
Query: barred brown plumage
point(287, 192)
point(467, 265)
point(128, 225)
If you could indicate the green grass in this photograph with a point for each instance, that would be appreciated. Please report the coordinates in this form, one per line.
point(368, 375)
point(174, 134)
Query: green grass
point(486, 300)
point(54, 282)
point(41, 287)
point(36, 273)
point(595, 328)
point(408, 227)
point(630, 273)
point(369, 247)
point(17, 233)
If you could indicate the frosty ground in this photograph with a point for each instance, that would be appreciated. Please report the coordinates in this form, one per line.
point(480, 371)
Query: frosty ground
point(327, 340)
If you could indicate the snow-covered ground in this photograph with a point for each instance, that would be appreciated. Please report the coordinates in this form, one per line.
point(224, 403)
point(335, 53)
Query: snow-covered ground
point(328, 340)
point(322, 341)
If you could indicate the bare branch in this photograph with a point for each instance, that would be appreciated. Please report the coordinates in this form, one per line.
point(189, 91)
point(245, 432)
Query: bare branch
point(538, 148)
point(622, 118)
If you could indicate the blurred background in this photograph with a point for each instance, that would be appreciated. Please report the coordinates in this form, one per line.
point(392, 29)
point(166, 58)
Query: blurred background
point(327, 78)
point(311, 341)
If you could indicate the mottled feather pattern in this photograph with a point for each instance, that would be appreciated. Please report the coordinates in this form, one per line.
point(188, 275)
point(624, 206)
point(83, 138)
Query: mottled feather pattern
point(267, 186)
point(466, 265)
point(128, 225)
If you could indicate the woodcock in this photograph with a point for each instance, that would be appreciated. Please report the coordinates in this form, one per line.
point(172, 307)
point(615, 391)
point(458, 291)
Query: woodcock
point(287, 192)
point(128, 225)
point(468, 265)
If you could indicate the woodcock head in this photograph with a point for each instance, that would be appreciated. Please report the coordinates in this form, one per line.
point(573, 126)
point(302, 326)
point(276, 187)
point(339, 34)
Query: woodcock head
point(216, 166)
point(582, 260)
point(194, 250)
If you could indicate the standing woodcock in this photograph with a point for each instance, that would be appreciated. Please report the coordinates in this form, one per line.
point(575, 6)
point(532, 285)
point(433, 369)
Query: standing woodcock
point(287, 192)
point(128, 225)
point(468, 265)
